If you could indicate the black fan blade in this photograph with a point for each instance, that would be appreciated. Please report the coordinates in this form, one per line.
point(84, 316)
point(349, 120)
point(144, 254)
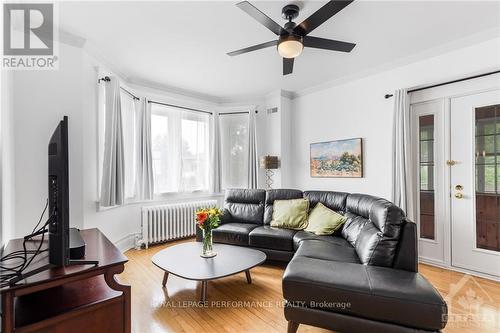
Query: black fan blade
point(265, 20)
point(328, 44)
point(253, 48)
point(321, 16)
point(287, 66)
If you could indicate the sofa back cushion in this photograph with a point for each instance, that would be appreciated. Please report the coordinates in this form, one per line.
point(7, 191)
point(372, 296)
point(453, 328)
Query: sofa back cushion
point(279, 194)
point(244, 206)
point(336, 201)
point(373, 227)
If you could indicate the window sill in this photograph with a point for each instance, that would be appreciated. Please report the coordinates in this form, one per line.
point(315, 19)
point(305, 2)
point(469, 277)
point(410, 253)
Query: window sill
point(165, 198)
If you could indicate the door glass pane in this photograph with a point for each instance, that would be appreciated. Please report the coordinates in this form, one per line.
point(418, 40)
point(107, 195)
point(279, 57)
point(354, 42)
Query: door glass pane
point(426, 174)
point(487, 177)
point(485, 149)
point(427, 151)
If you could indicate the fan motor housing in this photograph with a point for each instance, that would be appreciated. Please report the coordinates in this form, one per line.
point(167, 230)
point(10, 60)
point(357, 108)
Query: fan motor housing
point(290, 12)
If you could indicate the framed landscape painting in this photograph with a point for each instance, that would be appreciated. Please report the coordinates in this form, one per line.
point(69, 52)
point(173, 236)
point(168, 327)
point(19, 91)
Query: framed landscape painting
point(337, 159)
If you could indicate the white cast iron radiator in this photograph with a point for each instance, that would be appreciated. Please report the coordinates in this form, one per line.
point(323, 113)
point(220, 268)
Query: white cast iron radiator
point(166, 222)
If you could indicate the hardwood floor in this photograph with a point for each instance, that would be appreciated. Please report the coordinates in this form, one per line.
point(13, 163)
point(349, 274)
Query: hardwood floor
point(474, 303)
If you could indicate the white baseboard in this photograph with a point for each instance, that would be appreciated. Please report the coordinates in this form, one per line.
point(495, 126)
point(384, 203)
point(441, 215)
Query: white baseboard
point(126, 243)
point(457, 269)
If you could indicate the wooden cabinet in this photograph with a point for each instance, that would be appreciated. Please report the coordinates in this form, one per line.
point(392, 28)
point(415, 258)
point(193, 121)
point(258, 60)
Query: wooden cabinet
point(80, 298)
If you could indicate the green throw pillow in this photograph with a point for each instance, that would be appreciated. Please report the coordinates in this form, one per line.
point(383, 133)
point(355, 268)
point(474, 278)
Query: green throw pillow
point(324, 221)
point(290, 214)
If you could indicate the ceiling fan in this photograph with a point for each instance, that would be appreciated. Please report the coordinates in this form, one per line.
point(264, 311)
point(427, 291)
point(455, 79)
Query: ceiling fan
point(292, 38)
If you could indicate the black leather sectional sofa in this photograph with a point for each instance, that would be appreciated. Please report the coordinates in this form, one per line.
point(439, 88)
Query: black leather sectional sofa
point(363, 278)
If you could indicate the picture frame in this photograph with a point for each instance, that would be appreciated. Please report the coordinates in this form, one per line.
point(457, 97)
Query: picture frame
point(336, 159)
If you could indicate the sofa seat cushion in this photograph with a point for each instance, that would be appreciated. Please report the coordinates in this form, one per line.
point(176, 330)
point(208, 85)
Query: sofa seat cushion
point(319, 249)
point(233, 233)
point(372, 292)
point(303, 235)
point(272, 238)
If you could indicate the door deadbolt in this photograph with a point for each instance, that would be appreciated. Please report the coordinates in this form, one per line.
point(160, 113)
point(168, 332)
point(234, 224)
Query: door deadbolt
point(459, 187)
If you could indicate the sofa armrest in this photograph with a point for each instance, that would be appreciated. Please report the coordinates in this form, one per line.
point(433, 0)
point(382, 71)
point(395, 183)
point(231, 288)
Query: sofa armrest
point(406, 257)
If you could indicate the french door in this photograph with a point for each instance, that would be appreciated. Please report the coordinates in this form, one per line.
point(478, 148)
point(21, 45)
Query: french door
point(475, 182)
point(456, 155)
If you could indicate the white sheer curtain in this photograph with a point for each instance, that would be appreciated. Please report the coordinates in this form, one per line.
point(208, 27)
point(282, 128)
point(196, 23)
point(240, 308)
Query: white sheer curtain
point(129, 121)
point(252, 180)
point(144, 163)
point(234, 150)
point(215, 156)
point(113, 175)
point(402, 185)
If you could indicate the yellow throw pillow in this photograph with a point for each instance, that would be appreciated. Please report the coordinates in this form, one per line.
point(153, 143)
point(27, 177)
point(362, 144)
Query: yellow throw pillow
point(290, 214)
point(324, 221)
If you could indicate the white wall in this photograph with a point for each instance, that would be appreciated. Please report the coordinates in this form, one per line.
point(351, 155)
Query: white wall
point(359, 109)
point(275, 131)
point(40, 100)
point(7, 209)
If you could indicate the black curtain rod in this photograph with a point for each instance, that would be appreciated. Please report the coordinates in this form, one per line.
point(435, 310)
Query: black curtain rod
point(241, 112)
point(130, 94)
point(449, 82)
point(107, 79)
point(180, 107)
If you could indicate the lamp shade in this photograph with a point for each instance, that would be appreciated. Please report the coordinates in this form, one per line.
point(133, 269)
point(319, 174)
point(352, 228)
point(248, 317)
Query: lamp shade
point(269, 162)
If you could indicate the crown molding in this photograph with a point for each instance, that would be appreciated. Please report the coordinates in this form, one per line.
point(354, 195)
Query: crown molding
point(173, 90)
point(70, 39)
point(462, 43)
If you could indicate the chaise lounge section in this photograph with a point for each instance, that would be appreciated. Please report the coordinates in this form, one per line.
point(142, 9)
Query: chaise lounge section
point(363, 277)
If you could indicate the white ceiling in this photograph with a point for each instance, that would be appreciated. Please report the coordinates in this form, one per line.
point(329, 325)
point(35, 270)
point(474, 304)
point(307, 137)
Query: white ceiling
point(183, 45)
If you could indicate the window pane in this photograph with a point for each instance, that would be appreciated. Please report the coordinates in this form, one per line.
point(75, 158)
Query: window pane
point(426, 164)
point(427, 177)
point(485, 121)
point(427, 151)
point(234, 141)
point(181, 155)
point(129, 132)
point(485, 178)
point(485, 149)
point(426, 132)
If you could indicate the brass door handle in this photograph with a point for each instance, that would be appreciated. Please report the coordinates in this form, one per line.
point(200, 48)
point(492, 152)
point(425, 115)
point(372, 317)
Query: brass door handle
point(459, 195)
point(451, 162)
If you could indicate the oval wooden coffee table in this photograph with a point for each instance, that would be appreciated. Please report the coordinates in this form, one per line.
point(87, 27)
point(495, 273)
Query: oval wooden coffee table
point(183, 260)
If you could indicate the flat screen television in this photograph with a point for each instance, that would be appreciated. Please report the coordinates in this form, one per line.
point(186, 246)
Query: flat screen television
point(59, 196)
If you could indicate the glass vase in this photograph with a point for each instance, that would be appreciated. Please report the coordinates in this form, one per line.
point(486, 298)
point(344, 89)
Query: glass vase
point(207, 250)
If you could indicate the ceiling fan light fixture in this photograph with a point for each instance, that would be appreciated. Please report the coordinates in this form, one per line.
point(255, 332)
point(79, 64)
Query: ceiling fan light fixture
point(290, 46)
